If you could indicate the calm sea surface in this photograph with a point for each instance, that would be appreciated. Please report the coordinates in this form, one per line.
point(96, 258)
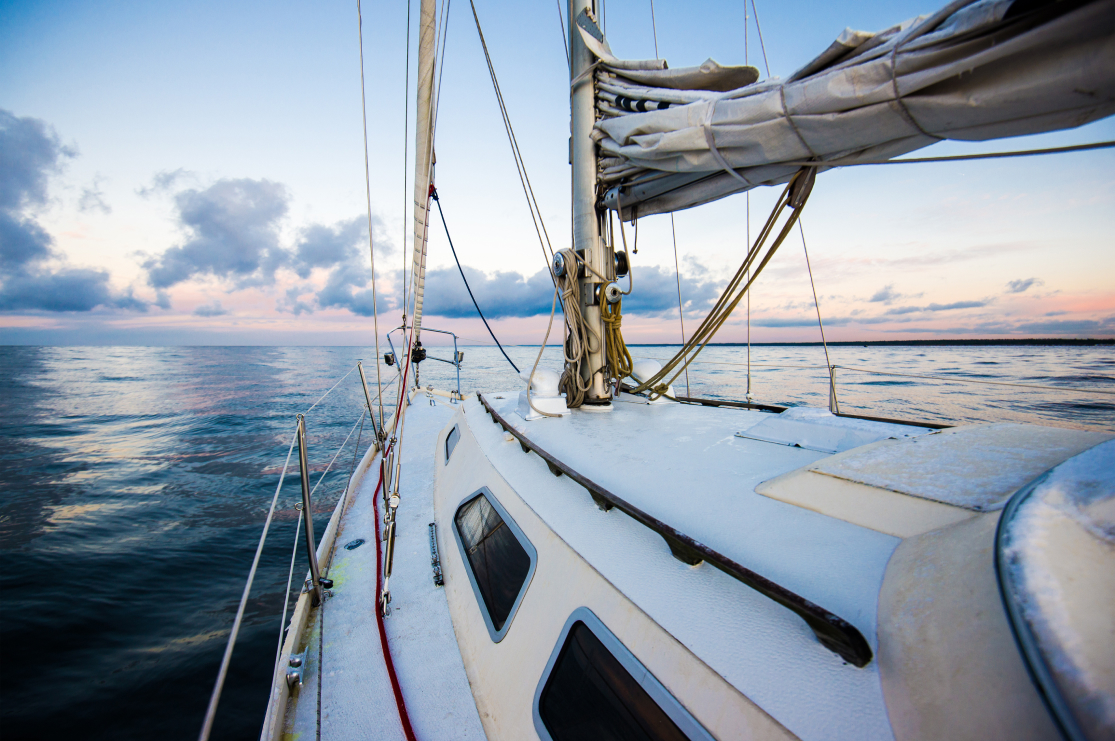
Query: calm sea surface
point(134, 483)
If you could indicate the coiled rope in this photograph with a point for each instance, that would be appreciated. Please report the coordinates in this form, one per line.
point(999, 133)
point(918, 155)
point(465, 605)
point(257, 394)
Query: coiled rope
point(619, 358)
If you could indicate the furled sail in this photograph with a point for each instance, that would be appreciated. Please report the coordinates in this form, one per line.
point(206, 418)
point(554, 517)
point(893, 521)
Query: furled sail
point(423, 153)
point(975, 70)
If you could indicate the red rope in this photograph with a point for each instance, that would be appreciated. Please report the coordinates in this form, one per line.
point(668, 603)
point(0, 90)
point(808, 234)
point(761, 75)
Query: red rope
point(399, 702)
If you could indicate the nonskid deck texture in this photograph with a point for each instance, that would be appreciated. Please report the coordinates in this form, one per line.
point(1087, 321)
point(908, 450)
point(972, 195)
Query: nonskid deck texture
point(356, 697)
point(686, 466)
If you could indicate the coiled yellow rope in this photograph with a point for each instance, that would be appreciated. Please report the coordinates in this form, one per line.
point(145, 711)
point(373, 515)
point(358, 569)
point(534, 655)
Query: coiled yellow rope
point(618, 357)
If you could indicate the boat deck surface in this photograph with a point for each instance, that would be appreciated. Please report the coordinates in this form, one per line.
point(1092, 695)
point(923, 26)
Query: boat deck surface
point(685, 465)
point(357, 700)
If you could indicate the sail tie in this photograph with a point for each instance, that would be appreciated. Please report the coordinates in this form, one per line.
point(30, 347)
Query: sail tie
point(790, 120)
point(706, 125)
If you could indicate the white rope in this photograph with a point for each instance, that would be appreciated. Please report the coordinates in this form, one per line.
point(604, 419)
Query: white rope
point(564, 37)
point(215, 698)
point(834, 404)
point(520, 164)
point(330, 466)
point(759, 28)
point(681, 312)
point(338, 383)
point(368, 191)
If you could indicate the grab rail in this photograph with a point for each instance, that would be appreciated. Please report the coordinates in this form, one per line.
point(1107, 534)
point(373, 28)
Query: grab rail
point(834, 633)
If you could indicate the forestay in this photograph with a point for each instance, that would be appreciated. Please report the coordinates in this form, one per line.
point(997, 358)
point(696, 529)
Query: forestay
point(975, 70)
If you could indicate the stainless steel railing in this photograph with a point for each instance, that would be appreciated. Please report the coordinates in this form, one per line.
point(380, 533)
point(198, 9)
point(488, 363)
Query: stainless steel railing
point(316, 583)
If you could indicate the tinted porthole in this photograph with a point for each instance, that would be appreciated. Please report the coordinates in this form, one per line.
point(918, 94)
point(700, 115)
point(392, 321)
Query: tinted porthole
point(594, 687)
point(451, 441)
point(497, 554)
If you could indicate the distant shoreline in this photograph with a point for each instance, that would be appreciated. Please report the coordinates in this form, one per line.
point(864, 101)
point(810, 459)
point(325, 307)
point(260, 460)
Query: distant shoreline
point(909, 343)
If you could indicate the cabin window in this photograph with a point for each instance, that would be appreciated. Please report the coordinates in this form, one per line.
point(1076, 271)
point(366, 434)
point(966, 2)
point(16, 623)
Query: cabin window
point(500, 560)
point(451, 441)
point(595, 688)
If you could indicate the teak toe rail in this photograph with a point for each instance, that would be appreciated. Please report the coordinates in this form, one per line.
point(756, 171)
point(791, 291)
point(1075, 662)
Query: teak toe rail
point(834, 633)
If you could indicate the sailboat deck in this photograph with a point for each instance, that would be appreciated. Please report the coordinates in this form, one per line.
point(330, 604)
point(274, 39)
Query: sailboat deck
point(685, 465)
point(357, 700)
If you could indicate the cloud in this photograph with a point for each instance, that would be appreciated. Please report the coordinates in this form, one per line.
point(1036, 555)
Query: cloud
point(345, 289)
point(32, 153)
point(501, 294)
point(1070, 326)
point(898, 310)
point(886, 294)
point(233, 228)
point(93, 199)
point(164, 182)
point(656, 290)
point(508, 294)
point(213, 308)
point(292, 301)
point(321, 246)
point(1019, 286)
point(67, 289)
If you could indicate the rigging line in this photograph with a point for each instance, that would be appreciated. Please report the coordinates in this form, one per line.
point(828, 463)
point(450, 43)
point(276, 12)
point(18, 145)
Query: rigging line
point(289, 579)
point(681, 312)
point(406, 152)
point(218, 686)
point(330, 466)
point(961, 157)
point(564, 37)
point(368, 191)
point(762, 44)
point(654, 29)
point(747, 196)
point(520, 164)
point(338, 383)
point(469, 289)
point(833, 403)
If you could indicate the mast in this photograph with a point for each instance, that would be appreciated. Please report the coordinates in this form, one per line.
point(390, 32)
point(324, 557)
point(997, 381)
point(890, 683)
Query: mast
point(586, 219)
point(423, 152)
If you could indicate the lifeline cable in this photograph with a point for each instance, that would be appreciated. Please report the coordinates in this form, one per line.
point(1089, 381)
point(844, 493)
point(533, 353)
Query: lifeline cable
point(441, 213)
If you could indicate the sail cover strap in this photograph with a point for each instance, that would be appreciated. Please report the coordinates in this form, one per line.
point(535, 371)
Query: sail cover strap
point(973, 71)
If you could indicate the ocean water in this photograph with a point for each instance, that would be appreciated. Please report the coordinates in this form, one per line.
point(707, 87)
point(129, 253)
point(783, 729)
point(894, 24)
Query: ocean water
point(134, 483)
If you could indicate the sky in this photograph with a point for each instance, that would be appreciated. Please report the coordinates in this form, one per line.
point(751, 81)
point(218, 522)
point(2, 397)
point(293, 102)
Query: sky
point(194, 174)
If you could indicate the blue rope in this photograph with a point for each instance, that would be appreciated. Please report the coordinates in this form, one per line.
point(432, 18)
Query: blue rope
point(493, 334)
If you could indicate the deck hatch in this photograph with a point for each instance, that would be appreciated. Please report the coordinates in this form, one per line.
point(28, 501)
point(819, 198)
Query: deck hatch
point(499, 559)
point(451, 441)
point(594, 687)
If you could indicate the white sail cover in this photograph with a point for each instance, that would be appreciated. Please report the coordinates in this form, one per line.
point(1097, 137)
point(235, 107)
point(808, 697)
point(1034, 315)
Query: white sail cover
point(975, 70)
